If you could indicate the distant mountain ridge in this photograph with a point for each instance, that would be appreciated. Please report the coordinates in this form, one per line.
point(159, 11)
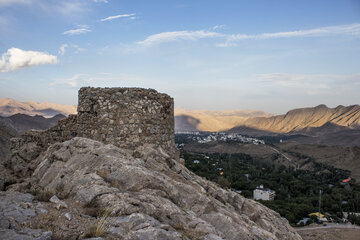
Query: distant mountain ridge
point(10, 107)
point(213, 121)
point(311, 121)
point(303, 119)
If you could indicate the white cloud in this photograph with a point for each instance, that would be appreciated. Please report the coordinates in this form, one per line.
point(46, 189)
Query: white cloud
point(351, 29)
point(81, 30)
point(101, 1)
point(175, 36)
point(62, 49)
point(131, 16)
point(72, 47)
point(226, 44)
point(16, 58)
point(219, 26)
point(233, 39)
point(4, 3)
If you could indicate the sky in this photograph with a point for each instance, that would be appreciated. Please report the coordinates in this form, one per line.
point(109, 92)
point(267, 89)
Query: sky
point(270, 55)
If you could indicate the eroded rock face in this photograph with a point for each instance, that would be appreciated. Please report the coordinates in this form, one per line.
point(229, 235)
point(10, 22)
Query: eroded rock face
point(153, 196)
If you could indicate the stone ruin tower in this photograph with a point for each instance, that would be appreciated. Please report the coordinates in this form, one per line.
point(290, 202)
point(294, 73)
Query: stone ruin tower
point(126, 117)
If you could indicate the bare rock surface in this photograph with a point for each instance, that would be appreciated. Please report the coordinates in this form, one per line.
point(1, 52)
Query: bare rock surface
point(15, 210)
point(149, 195)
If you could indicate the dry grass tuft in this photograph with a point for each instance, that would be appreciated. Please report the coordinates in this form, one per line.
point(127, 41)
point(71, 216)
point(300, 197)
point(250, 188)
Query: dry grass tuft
point(100, 229)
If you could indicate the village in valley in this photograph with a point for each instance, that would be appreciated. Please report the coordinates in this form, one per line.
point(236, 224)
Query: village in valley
point(205, 137)
point(294, 193)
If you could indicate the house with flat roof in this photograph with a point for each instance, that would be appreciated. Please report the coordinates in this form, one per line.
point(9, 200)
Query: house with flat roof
point(261, 193)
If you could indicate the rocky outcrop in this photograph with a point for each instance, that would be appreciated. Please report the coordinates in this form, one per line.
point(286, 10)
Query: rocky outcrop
point(150, 195)
point(15, 210)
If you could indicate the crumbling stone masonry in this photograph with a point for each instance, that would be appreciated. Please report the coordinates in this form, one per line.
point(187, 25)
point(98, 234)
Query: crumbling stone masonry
point(124, 117)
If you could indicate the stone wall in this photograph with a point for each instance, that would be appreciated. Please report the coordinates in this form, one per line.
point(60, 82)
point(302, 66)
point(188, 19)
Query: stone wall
point(124, 117)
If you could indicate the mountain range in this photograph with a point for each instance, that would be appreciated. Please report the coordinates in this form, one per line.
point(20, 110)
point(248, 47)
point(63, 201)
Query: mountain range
point(320, 124)
point(302, 120)
point(10, 107)
point(312, 125)
point(213, 121)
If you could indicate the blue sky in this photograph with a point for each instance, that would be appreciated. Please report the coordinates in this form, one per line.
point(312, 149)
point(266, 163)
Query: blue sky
point(216, 55)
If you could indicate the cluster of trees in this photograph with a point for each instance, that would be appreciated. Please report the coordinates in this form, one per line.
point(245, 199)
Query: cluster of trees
point(297, 191)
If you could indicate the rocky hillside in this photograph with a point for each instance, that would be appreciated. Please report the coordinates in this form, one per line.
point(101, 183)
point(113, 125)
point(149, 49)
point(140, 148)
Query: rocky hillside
point(141, 194)
point(10, 107)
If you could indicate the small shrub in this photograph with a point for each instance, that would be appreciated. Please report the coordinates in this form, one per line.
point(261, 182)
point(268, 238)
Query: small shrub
point(59, 189)
point(103, 173)
point(42, 196)
point(137, 154)
point(100, 229)
point(223, 182)
point(26, 188)
point(93, 209)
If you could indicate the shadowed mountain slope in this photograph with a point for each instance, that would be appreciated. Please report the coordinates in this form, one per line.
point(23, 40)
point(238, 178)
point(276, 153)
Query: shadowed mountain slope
point(23, 122)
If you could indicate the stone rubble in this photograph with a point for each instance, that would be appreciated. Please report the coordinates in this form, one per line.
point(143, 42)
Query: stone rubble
point(58, 203)
point(68, 216)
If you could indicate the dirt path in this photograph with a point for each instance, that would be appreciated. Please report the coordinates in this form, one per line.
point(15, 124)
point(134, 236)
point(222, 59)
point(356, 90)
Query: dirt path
point(329, 234)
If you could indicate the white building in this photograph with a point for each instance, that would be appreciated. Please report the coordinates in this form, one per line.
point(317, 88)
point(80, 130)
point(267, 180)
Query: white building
point(261, 193)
